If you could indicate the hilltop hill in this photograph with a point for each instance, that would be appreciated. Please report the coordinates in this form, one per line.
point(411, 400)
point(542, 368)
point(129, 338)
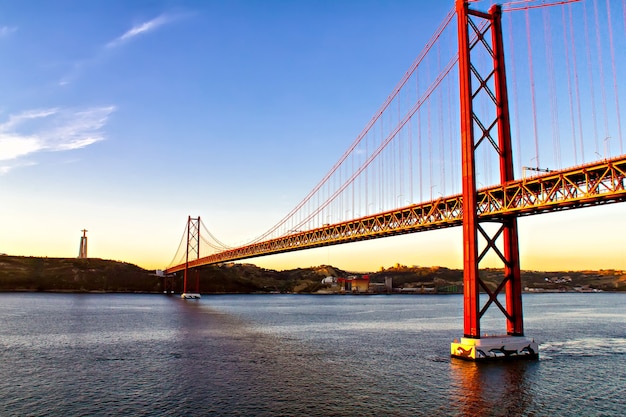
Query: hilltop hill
point(451, 280)
point(98, 275)
point(19, 273)
point(237, 278)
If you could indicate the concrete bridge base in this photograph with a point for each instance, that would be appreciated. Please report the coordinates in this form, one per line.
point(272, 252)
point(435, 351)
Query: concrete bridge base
point(190, 295)
point(490, 348)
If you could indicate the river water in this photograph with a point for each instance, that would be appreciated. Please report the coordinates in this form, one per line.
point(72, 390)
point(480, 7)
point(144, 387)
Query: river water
point(280, 355)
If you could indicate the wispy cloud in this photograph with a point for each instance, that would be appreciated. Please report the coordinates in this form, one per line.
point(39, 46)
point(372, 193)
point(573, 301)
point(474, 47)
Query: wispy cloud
point(139, 29)
point(6, 167)
point(6, 30)
point(50, 130)
point(79, 66)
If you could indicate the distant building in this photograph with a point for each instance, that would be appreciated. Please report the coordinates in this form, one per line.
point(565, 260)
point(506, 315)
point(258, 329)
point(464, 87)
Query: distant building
point(382, 288)
point(355, 284)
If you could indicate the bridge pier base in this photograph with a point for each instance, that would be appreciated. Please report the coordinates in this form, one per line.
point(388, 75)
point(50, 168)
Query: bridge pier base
point(490, 348)
point(190, 296)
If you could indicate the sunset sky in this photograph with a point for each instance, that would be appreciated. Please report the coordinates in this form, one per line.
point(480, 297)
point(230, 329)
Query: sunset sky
point(125, 117)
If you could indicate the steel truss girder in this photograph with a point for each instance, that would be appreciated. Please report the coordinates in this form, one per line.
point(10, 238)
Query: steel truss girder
point(592, 184)
point(584, 186)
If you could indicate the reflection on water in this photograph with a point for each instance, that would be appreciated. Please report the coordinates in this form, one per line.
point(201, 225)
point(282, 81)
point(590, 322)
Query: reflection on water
point(75, 355)
point(498, 389)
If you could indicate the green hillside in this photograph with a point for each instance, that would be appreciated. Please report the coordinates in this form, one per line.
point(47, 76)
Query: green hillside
point(71, 274)
point(98, 275)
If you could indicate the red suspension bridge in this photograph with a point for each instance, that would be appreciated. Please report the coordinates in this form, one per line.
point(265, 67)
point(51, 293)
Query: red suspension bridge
point(543, 126)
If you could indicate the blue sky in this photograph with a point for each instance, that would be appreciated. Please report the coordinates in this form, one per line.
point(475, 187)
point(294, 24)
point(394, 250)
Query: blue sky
point(126, 117)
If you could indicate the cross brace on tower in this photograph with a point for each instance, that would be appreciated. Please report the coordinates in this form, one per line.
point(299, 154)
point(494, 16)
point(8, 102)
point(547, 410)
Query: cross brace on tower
point(193, 250)
point(496, 134)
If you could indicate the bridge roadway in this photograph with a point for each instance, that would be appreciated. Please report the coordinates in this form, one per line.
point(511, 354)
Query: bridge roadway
point(587, 185)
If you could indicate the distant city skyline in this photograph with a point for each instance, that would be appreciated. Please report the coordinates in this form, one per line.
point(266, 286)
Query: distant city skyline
point(123, 118)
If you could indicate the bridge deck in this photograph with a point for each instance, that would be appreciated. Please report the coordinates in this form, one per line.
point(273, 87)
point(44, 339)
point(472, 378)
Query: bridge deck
point(583, 186)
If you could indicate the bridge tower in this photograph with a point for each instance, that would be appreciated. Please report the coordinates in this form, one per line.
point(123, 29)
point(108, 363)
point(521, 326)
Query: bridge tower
point(481, 33)
point(193, 252)
point(82, 250)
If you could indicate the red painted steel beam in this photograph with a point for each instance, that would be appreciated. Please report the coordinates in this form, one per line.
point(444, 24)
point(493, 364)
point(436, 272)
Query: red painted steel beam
point(193, 246)
point(588, 185)
point(187, 255)
point(471, 289)
point(512, 274)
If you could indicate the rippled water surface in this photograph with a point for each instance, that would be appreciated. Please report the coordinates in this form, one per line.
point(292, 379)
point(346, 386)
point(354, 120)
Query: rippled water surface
point(269, 355)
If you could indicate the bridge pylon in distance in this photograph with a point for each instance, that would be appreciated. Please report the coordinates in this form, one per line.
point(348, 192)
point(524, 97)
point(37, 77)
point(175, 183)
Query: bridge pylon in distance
point(480, 33)
point(191, 286)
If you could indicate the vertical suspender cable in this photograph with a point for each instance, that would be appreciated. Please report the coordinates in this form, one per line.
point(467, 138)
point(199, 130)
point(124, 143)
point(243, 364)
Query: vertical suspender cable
point(367, 173)
point(338, 205)
point(532, 87)
point(451, 137)
point(420, 159)
point(601, 67)
point(318, 189)
point(386, 178)
point(179, 250)
point(379, 164)
point(615, 86)
point(354, 186)
point(318, 205)
point(410, 145)
point(569, 84)
point(399, 159)
point(391, 162)
point(513, 78)
point(387, 162)
point(389, 188)
point(381, 174)
point(430, 147)
point(590, 82)
point(442, 150)
point(577, 84)
point(429, 134)
point(552, 89)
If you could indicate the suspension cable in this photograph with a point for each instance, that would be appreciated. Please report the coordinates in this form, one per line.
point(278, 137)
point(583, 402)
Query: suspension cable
point(182, 239)
point(527, 4)
point(221, 244)
point(367, 128)
point(388, 139)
